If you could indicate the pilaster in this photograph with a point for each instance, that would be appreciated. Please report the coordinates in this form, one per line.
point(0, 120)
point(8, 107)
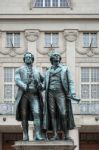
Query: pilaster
point(32, 36)
point(71, 37)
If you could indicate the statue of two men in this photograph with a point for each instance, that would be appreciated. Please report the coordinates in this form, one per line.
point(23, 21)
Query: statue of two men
point(59, 90)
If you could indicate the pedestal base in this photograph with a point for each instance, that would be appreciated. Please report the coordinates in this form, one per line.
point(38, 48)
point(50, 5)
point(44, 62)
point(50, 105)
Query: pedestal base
point(44, 145)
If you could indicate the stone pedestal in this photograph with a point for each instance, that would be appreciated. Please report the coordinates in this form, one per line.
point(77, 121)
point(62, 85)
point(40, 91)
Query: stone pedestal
point(44, 145)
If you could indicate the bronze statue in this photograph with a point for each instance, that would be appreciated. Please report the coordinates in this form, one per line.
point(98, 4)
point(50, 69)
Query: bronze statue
point(29, 103)
point(60, 89)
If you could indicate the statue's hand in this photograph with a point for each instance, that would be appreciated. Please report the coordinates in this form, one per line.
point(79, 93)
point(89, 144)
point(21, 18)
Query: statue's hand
point(40, 87)
point(75, 98)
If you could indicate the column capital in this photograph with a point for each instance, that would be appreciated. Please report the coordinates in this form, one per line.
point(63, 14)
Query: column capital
point(71, 35)
point(31, 35)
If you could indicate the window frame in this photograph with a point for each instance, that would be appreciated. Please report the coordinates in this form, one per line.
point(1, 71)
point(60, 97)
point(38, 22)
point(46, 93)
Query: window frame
point(52, 4)
point(90, 83)
point(51, 40)
point(13, 40)
point(12, 83)
point(89, 40)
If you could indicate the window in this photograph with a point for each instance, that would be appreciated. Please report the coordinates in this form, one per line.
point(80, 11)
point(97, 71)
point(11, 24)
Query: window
point(90, 83)
point(52, 3)
point(13, 39)
point(89, 39)
point(51, 39)
point(9, 84)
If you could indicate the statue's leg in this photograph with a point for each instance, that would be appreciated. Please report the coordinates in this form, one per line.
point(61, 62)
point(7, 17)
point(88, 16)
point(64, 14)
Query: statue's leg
point(24, 113)
point(52, 110)
point(25, 130)
point(61, 103)
point(35, 109)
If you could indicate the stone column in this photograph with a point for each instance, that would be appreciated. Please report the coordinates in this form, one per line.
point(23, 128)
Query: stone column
point(32, 36)
point(74, 134)
point(70, 37)
point(0, 141)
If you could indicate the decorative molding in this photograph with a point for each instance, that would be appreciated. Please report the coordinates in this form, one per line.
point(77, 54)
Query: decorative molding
point(87, 51)
point(70, 35)
point(31, 35)
point(12, 51)
point(47, 51)
point(10, 60)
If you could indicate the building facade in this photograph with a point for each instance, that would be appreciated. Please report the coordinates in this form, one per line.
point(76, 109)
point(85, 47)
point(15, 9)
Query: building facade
point(40, 26)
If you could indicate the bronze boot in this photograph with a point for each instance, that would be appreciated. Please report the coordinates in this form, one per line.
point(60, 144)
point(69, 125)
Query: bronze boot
point(25, 131)
point(55, 136)
point(38, 135)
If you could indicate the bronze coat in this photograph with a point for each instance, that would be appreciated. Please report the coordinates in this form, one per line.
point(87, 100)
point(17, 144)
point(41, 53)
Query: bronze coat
point(69, 88)
point(21, 82)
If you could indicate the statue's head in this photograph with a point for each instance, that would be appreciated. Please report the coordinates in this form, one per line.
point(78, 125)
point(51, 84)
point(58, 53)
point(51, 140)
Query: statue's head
point(55, 58)
point(28, 58)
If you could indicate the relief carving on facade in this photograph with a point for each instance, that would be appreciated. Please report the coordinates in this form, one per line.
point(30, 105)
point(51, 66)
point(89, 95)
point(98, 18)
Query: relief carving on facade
point(88, 51)
point(70, 35)
point(31, 35)
point(12, 51)
point(49, 50)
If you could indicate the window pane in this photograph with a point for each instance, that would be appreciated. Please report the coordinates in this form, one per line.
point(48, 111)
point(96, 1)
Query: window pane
point(52, 3)
point(17, 40)
point(9, 39)
point(55, 39)
point(85, 91)
point(94, 39)
point(7, 91)
point(84, 74)
point(8, 74)
point(39, 3)
point(47, 3)
point(55, 3)
point(47, 39)
point(51, 39)
point(95, 74)
point(95, 91)
point(64, 3)
point(86, 39)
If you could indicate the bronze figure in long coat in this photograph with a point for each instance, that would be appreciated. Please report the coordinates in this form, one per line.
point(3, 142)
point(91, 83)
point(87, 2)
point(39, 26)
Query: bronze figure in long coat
point(57, 90)
point(29, 102)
